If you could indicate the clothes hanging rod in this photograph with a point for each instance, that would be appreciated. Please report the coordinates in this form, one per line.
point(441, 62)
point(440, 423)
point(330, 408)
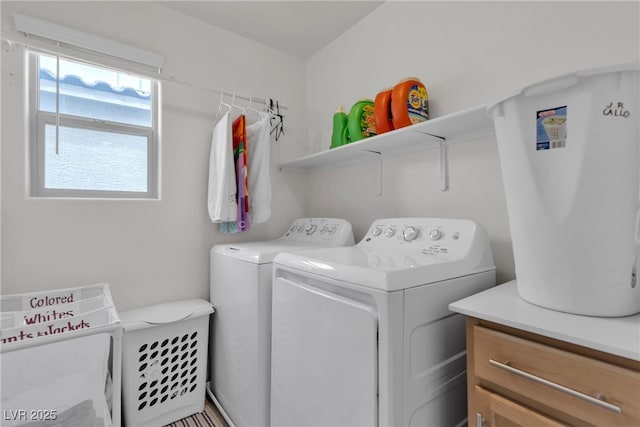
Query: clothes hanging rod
point(57, 49)
point(221, 92)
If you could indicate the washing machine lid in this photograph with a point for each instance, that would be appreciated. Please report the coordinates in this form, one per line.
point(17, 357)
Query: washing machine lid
point(303, 233)
point(437, 249)
point(261, 252)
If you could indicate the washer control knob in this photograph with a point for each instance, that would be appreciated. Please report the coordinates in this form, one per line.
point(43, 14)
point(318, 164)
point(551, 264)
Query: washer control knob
point(410, 233)
point(390, 231)
point(310, 229)
point(376, 231)
point(322, 229)
point(332, 229)
point(435, 234)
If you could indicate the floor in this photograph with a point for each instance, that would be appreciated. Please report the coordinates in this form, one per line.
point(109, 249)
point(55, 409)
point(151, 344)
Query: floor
point(211, 409)
point(211, 417)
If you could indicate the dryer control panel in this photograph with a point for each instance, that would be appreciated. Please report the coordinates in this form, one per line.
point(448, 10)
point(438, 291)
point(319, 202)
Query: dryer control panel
point(320, 230)
point(428, 236)
point(401, 253)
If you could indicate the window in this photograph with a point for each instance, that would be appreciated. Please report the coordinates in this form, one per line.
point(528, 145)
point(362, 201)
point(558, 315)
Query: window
point(94, 131)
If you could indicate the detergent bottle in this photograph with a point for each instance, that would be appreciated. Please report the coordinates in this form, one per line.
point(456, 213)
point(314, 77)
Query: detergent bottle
point(361, 123)
point(339, 135)
point(409, 103)
point(382, 111)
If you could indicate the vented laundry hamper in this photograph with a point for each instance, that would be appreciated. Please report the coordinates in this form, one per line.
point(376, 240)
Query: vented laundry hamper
point(164, 361)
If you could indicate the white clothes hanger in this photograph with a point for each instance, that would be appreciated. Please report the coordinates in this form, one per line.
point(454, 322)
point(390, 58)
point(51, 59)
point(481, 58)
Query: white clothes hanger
point(251, 108)
point(222, 104)
point(233, 103)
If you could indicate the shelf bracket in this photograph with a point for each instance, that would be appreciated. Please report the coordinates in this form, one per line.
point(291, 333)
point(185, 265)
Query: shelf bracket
point(444, 166)
point(444, 160)
point(379, 162)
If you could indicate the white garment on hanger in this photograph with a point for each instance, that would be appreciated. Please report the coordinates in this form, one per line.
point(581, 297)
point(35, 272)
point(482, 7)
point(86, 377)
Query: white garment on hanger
point(222, 194)
point(258, 159)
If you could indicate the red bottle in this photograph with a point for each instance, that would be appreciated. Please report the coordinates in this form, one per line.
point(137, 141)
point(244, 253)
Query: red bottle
point(382, 111)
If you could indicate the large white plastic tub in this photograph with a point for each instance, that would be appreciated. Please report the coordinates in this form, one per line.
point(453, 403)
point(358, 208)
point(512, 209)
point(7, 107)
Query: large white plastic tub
point(570, 159)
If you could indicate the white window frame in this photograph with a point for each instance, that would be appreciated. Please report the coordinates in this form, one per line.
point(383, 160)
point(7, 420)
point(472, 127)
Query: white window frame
point(40, 119)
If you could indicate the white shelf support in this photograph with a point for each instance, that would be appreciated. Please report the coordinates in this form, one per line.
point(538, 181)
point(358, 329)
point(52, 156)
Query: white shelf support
point(444, 160)
point(379, 177)
point(444, 166)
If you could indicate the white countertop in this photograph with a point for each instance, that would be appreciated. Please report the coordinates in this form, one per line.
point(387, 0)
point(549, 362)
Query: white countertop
point(503, 305)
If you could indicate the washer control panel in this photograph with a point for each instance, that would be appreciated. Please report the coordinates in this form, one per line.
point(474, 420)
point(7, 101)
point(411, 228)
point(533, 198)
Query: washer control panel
point(322, 230)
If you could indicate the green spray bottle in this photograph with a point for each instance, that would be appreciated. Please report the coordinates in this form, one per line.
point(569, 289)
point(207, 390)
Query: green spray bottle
point(340, 134)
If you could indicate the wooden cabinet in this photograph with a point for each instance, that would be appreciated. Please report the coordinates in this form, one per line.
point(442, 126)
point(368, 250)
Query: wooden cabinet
point(497, 411)
point(516, 378)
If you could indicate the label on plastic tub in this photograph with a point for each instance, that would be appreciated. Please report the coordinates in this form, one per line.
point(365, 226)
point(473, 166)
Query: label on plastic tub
point(551, 128)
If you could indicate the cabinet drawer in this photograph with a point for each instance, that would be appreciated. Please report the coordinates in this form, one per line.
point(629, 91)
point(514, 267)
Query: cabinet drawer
point(591, 390)
point(496, 411)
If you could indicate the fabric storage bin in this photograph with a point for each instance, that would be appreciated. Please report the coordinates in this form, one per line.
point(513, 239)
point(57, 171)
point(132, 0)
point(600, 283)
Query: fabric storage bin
point(164, 360)
point(55, 358)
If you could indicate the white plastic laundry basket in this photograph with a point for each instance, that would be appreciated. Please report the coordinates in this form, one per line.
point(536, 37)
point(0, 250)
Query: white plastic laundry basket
point(54, 355)
point(164, 362)
point(570, 154)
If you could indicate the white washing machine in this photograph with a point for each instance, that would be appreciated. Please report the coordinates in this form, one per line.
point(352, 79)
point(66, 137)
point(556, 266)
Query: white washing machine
point(362, 335)
point(240, 291)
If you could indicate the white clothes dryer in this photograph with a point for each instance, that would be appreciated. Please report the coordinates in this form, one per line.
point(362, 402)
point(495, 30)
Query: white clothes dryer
point(363, 336)
point(240, 291)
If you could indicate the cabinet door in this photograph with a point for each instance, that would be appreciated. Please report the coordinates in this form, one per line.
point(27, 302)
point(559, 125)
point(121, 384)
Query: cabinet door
point(495, 411)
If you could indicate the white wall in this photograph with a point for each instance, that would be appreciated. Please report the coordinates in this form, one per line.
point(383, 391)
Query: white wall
point(154, 251)
point(467, 54)
point(149, 251)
